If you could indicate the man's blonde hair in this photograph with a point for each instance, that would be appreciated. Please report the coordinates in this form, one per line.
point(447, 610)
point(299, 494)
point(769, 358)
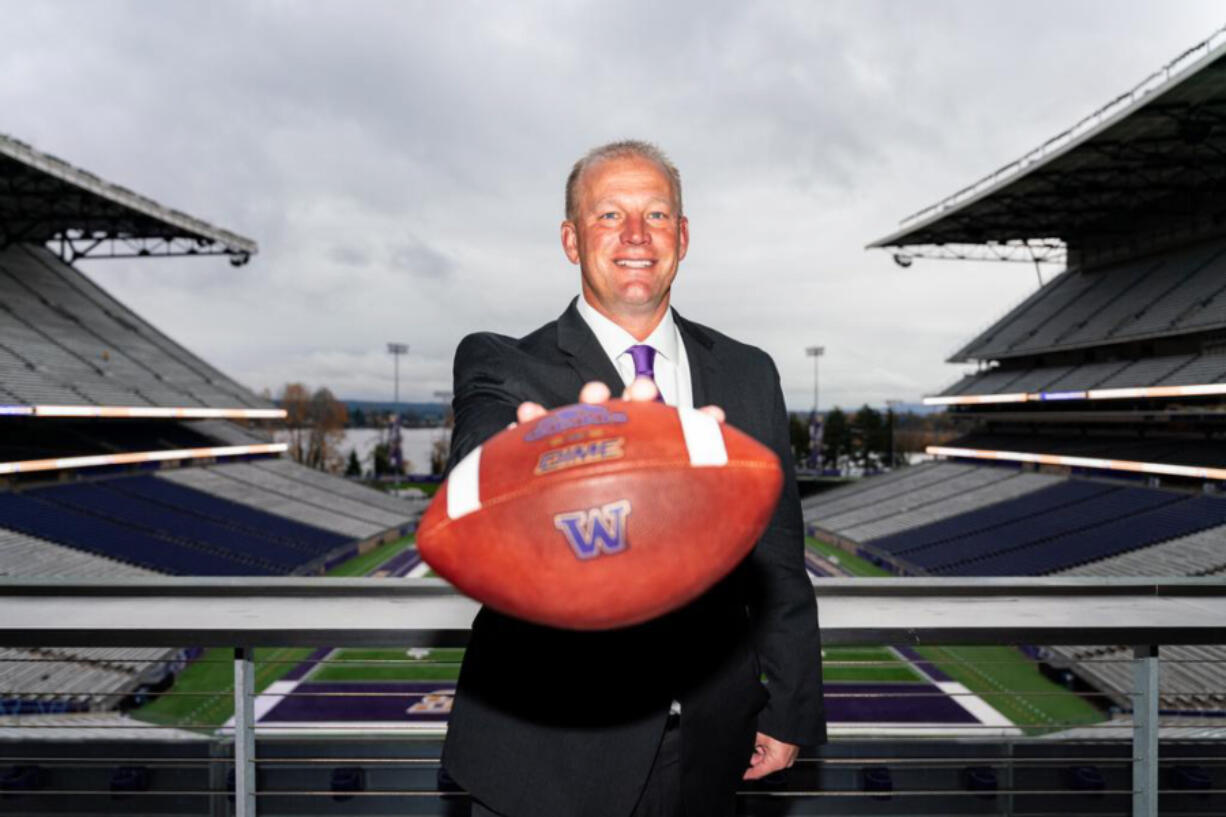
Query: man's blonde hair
point(624, 149)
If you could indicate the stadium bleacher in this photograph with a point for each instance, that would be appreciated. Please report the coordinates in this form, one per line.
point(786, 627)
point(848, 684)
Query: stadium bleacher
point(984, 485)
point(217, 482)
point(994, 521)
point(65, 341)
point(1146, 297)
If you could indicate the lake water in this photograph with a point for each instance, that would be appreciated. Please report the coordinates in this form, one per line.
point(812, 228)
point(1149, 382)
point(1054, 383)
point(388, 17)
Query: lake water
point(415, 445)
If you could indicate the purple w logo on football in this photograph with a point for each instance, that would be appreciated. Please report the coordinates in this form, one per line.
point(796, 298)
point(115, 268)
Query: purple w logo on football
point(595, 531)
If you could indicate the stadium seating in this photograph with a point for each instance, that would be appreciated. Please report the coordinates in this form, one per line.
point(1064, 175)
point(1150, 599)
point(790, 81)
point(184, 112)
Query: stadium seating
point(1125, 520)
point(306, 492)
point(225, 432)
point(306, 541)
point(291, 470)
point(1132, 299)
point(214, 481)
point(994, 485)
point(871, 510)
point(23, 555)
point(31, 514)
point(63, 340)
point(876, 489)
point(1198, 554)
point(1167, 370)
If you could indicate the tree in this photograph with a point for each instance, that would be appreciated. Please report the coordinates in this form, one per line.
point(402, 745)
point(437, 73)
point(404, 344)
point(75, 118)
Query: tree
point(382, 460)
point(358, 419)
point(873, 437)
point(798, 428)
point(836, 438)
point(354, 468)
point(439, 451)
point(316, 426)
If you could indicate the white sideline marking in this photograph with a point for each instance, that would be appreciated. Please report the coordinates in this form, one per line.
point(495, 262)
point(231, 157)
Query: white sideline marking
point(464, 486)
point(266, 700)
point(703, 438)
point(981, 709)
point(419, 571)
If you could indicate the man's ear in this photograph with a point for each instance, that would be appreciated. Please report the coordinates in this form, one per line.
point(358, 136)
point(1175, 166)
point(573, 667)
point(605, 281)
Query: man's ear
point(570, 241)
point(683, 237)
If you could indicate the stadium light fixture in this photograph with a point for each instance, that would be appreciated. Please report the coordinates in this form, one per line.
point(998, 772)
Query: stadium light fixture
point(396, 350)
point(903, 259)
point(815, 352)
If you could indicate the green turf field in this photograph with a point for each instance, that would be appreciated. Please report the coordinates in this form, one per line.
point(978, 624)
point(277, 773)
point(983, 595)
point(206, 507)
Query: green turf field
point(389, 665)
point(203, 694)
point(865, 665)
point(853, 564)
point(1003, 676)
point(364, 563)
point(1013, 685)
point(428, 488)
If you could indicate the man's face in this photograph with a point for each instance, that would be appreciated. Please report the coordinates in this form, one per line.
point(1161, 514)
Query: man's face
point(627, 237)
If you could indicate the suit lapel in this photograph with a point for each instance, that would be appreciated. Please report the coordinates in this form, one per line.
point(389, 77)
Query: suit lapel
point(705, 378)
point(584, 353)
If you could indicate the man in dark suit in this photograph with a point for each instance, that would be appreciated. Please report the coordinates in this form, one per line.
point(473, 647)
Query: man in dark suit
point(666, 717)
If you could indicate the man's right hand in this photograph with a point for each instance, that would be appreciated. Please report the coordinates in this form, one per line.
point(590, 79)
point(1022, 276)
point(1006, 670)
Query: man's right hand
point(596, 392)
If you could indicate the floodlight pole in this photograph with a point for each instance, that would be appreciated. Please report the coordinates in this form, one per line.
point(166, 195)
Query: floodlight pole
point(815, 352)
point(396, 350)
point(891, 405)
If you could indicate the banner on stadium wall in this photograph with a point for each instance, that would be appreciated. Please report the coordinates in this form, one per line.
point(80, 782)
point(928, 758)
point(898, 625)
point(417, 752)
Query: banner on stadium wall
point(815, 440)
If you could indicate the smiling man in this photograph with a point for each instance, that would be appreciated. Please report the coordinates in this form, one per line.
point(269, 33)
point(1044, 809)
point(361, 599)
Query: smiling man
point(667, 717)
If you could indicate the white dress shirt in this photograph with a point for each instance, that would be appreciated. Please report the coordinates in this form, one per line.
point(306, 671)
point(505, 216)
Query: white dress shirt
point(672, 366)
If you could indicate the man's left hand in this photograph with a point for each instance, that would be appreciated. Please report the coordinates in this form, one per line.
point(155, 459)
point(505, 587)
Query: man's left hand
point(769, 756)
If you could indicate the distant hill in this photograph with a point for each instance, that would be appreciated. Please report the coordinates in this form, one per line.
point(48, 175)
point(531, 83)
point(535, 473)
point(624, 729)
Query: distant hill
point(428, 413)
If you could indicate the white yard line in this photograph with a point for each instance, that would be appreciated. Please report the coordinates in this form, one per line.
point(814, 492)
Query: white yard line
point(418, 572)
point(983, 711)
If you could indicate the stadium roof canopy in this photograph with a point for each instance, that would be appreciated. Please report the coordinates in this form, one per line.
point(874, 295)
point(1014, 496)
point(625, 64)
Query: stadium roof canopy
point(44, 199)
point(1146, 169)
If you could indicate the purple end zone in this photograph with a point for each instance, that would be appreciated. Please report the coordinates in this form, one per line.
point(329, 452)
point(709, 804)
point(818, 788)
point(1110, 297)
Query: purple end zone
point(927, 707)
point(923, 664)
point(401, 563)
point(382, 707)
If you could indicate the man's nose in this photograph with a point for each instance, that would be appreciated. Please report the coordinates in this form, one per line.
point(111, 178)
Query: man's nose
point(634, 230)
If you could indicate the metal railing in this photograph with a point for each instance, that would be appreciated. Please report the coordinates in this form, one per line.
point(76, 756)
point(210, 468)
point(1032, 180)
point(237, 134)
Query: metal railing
point(917, 617)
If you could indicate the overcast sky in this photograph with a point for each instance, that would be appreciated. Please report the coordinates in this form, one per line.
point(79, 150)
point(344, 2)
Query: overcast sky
point(401, 164)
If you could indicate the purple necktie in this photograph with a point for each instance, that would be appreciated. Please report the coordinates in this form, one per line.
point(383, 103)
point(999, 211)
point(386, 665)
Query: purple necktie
point(644, 358)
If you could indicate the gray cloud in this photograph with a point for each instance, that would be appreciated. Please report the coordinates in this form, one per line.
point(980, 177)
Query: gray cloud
point(402, 164)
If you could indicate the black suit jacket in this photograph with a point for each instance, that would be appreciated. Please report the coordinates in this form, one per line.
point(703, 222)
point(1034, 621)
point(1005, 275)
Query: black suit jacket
point(552, 722)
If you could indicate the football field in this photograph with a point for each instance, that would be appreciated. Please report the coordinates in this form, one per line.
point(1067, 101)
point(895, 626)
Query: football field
point(869, 690)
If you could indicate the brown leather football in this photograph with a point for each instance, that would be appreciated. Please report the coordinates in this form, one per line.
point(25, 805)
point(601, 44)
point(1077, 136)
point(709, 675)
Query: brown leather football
point(601, 516)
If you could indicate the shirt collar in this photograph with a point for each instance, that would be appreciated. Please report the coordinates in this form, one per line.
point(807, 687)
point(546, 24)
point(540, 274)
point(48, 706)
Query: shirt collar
point(615, 340)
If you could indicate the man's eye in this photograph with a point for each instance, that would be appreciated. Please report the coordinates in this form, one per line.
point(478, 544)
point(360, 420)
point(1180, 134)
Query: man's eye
point(658, 215)
point(608, 215)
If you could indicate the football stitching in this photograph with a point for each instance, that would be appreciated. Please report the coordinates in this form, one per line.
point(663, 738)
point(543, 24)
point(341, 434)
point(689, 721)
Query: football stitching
point(603, 470)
